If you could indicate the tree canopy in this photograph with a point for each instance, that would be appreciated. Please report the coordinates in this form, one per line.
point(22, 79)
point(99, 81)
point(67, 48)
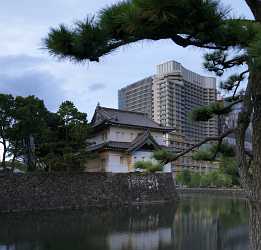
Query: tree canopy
point(40, 139)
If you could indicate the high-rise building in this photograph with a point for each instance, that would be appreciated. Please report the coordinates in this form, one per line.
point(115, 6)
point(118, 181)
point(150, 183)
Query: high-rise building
point(176, 92)
point(137, 97)
point(168, 97)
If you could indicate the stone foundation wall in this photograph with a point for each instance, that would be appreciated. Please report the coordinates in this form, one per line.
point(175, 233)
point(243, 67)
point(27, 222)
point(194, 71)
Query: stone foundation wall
point(27, 192)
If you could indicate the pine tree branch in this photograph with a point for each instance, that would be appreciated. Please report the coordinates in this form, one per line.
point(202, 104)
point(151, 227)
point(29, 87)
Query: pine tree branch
point(241, 77)
point(208, 139)
point(185, 42)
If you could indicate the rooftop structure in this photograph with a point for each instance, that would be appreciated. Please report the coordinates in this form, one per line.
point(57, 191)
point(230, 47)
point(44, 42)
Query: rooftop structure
point(121, 138)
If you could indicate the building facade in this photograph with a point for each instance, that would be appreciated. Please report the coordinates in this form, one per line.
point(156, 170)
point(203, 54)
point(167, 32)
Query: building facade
point(121, 138)
point(176, 92)
point(137, 97)
point(169, 97)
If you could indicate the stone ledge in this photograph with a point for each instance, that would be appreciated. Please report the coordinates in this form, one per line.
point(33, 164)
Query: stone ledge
point(239, 193)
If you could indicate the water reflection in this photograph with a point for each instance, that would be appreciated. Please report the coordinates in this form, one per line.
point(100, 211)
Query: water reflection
point(196, 224)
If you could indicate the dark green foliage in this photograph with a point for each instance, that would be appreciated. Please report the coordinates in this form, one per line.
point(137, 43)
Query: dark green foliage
point(7, 112)
point(205, 181)
point(64, 142)
point(86, 40)
point(30, 116)
point(205, 113)
point(224, 150)
point(43, 140)
point(130, 21)
point(255, 49)
point(201, 114)
point(214, 152)
point(21, 120)
point(219, 60)
point(229, 166)
point(211, 179)
point(203, 155)
point(232, 82)
point(195, 180)
point(184, 177)
point(162, 155)
point(148, 166)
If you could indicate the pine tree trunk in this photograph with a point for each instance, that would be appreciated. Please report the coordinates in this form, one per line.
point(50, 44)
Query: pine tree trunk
point(250, 171)
point(255, 225)
point(255, 202)
point(4, 155)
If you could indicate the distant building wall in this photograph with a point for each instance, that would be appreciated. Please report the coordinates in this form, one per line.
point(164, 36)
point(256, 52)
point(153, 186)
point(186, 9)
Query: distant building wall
point(137, 97)
point(176, 92)
point(82, 190)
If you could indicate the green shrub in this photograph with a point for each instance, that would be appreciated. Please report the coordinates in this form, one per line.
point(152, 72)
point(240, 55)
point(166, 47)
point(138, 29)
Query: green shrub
point(195, 180)
point(148, 166)
point(205, 181)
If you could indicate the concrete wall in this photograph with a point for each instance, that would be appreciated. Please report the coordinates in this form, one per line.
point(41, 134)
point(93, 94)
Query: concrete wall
point(82, 190)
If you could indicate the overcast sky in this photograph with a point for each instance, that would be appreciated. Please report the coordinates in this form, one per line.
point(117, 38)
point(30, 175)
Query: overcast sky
point(25, 68)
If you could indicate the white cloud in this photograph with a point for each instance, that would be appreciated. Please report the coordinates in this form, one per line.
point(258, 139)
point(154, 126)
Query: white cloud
point(29, 70)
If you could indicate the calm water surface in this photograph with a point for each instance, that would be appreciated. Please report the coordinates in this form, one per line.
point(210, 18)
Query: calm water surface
point(197, 223)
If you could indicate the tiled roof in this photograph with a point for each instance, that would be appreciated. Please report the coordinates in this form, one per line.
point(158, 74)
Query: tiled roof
point(122, 117)
point(109, 145)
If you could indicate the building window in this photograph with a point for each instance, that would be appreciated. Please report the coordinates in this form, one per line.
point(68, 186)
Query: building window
point(104, 136)
point(121, 160)
point(118, 134)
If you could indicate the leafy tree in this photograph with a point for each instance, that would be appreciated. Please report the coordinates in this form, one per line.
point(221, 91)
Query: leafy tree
point(229, 166)
point(64, 142)
point(30, 116)
point(184, 177)
point(7, 107)
point(195, 180)
point(198, 23)
point(205, 181)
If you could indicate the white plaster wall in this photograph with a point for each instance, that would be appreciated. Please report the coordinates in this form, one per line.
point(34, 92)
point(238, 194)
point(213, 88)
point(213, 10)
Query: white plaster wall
point(115, 165)
point(167, 168)
point(128, 135)
point(123, 134)
point(99, 138)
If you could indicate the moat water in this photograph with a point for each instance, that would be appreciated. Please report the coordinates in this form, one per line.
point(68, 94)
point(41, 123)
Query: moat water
point(197, 223)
